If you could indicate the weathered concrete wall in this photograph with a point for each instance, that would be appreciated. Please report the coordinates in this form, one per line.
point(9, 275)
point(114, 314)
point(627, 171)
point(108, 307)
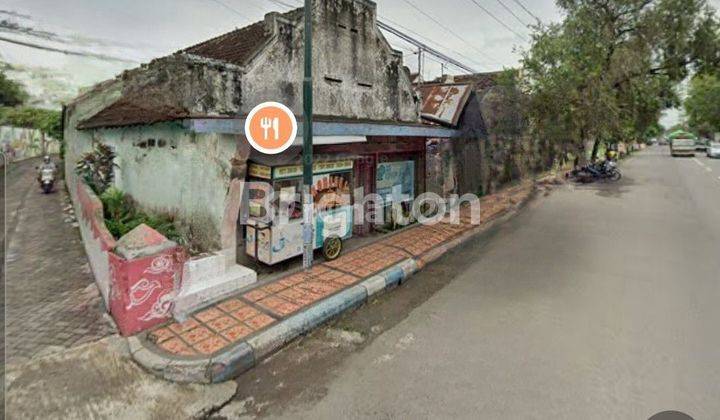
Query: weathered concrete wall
point(510, 153)
point(97, 239)
point(176, 86)
point(195, 177)
point(168, 169)
point(91, 102)
point(494, 149)
point(355, 72)
point(197, 85)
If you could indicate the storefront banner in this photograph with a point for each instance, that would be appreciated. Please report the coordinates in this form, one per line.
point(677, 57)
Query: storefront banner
point(318, 168)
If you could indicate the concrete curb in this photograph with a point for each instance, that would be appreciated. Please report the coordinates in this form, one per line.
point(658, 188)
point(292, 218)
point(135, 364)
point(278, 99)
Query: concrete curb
point(246, 354)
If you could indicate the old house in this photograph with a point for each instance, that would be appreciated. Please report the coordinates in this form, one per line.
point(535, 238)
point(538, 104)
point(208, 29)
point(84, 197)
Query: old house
point(176, 125)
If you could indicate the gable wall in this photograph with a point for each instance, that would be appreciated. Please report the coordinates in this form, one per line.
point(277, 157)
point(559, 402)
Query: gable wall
point(355, 73)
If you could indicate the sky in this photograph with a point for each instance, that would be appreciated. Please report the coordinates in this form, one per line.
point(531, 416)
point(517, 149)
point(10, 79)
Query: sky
point(139, 30)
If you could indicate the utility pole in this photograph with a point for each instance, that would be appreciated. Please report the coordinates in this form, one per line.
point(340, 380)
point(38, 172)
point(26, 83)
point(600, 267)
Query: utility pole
point(307, 142)
point(420, 63)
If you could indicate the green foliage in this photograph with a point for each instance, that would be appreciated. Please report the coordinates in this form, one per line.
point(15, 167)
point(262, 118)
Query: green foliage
point(45, 120)
point(96, 168)
point(703, 104)
point(11, 93)
point(653, 132)
point(506, 102)
point(122, 216)
point(608, 70)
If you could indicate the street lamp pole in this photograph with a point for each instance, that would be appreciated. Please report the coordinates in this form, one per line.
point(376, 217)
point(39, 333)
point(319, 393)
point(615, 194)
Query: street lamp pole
point(307, 142)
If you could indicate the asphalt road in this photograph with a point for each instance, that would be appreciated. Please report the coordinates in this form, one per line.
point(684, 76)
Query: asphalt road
point(595, 302)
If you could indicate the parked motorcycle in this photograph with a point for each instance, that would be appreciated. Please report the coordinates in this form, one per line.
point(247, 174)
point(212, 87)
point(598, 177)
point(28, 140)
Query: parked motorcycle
point(47, 180)
point(605, 170)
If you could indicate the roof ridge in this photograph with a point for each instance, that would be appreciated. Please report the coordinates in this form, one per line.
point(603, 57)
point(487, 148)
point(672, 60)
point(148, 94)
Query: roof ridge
point(219, 37)
point(240, 45)
point(235, 31)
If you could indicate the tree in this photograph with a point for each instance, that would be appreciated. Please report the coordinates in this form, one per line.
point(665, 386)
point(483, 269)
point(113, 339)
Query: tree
point(702, 104)
point(11, 92)
point(46, 120)
point(607, 71)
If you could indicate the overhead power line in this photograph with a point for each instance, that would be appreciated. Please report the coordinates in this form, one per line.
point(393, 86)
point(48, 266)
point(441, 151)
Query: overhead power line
point(232, 9)
point(424, 47)
point(509, 10)
point(522, 6)
point(498, 20)
point(439, 45)
point(441, 25)
point(282, 3)
point(67, 52)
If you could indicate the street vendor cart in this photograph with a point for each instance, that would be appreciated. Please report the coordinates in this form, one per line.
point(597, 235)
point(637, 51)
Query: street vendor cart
point(275, 235)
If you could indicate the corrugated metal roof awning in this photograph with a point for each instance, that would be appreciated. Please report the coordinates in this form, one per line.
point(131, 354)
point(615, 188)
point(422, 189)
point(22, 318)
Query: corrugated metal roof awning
point(444, 103)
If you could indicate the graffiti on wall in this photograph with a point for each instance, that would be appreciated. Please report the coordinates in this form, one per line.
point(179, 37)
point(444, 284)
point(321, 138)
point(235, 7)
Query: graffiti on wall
point(144, 289)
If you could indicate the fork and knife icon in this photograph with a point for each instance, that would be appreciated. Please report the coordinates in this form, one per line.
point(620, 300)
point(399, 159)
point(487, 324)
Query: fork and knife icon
point(270, 123)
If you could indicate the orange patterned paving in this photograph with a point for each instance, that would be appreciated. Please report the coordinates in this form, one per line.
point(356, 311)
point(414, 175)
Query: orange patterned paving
point(369, 260)
point(423, 238)
point(290, 294)
point(212, 329)
point(234, 319)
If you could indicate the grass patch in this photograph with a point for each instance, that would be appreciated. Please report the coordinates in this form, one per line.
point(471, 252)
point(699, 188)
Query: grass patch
point(122, 216)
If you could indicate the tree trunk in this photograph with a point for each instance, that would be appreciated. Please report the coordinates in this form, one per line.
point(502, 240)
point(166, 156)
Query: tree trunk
point(595, 150)
point(581, 158)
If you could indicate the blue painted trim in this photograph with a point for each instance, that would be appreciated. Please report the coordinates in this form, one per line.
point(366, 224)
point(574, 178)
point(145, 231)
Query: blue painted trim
point(326, 128)
point(393, 275)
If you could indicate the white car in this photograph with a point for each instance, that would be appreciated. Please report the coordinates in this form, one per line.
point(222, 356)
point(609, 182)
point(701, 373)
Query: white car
point(713, 150)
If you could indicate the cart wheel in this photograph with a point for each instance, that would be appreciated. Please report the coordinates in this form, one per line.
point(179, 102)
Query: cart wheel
point(332, 247)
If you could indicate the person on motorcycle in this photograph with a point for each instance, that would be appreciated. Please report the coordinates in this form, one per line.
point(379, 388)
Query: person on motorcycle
point(47, 164)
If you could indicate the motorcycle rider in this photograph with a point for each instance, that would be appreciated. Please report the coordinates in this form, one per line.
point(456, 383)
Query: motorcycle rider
point(610, 158)
point(47, 164)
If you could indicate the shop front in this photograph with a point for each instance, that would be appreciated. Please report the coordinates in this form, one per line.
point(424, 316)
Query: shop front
point(390, 167)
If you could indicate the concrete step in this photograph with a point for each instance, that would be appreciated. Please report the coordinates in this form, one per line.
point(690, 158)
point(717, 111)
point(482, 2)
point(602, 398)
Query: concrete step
point(204, 291)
